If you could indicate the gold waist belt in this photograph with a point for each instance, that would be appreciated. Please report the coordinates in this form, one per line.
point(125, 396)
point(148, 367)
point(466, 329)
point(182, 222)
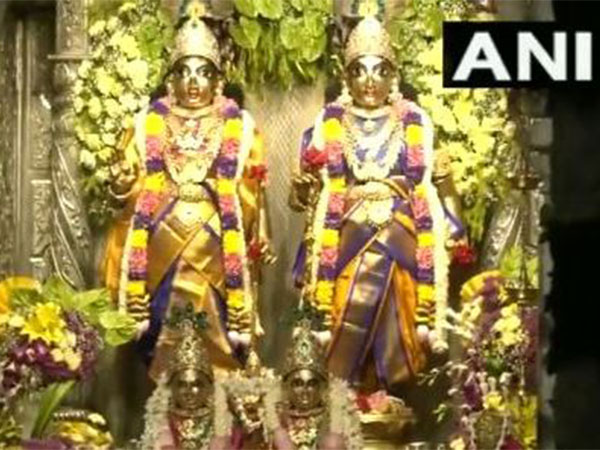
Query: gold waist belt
point(193, 192)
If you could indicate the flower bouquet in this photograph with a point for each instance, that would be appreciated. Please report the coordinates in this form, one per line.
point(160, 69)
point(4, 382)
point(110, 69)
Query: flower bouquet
point(494, 383)
point(383, 417)
point(50, 339)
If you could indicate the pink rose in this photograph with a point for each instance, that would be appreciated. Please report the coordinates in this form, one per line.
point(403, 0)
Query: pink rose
point(329, 256)
point(153, 147)
point(379, 401)
point(420, 208)
point(233, 264)
point(137, 259)
point(415, 156)
point(230, 148)
point(334, 152)
point(425, 258)
point(336, 203)
point(148, 203)
point(227, 204)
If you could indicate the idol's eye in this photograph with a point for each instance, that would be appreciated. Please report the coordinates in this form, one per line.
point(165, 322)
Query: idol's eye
point(183, 71)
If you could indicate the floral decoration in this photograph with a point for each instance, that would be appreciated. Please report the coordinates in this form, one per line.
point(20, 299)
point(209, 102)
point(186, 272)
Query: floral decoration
point(50, 338)
point(128, 58)
point(494, 383)
point(472, 126)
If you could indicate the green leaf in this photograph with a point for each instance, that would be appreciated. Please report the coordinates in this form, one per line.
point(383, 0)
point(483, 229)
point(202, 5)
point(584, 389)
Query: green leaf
point(57, 290)
point(298, 5)
point(119, 327)
point(271, 9)
point(92, 303)
point(314, 24)
point(285, 72)
point(291, 32)
point(51, 399)
point(252, 30)
point(24, 298)
point(314, 48)
point(246, 7)
point(239, 36)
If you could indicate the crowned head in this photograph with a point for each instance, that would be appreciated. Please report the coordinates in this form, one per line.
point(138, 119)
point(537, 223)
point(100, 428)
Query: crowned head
point(304, 372)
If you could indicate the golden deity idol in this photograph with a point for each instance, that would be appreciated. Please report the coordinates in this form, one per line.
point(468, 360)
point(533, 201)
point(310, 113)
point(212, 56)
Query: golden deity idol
point(188, 409)
point(374, 260)
point(193, 224)
point(317, 411)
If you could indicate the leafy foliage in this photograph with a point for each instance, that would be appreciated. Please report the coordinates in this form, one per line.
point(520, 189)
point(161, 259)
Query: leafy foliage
point(472, 126)
point(280, 41)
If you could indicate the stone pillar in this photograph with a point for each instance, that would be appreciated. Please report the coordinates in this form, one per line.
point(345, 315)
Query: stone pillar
point(72, 255)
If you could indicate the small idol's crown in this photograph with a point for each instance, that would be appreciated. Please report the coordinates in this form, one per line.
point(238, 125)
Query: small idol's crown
point(369, 37)
point(195, 38)
point(190, 352)
point(305, 352)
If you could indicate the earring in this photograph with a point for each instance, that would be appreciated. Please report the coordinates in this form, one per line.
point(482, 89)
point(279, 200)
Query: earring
point(395, 94)
point(345, 98)
point(219, 89)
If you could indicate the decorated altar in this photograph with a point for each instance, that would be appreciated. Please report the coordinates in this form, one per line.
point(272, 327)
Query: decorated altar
point(263, 224)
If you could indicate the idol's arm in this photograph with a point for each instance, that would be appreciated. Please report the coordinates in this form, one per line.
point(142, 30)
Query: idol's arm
point(125, 186)
point(444, 183)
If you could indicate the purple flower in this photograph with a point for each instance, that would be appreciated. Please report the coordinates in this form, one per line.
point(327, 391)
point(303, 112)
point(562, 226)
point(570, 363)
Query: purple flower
point(231, 110)
point(333, 111)
point(327, 273)
point(155, 165)
point(333, 221)
point(141, 221)
point(229, 221)
point(226, 166)
point(160, 108)
point(511, 443)
point(234, 281)
point(472, 395)
point(425, 276)
point(336, 170)
point(412, 117)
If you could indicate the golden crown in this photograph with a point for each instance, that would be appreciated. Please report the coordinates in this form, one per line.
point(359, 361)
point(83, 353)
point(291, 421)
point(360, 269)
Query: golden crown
point(305, 352)
point(190, 352)
point(369, 37)
point(195, 38)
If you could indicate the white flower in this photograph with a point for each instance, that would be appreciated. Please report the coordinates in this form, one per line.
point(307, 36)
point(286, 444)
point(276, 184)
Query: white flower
point(128, 45)
point(109, 139)
point(97, 27)
point(104, 81)
point(78, 87)
point(93, 141)
point(95, 107)
point(113, 108)
point(87, 160)
point(126, 7)
point(129, 101)
point(137, 71)
point(105, 154)
point(112, 24)
point(102, 174)
point(84, 68)
point(78, 104)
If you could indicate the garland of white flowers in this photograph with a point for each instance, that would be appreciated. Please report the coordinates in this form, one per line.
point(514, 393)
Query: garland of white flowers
point(157, 408)
point(343, 416)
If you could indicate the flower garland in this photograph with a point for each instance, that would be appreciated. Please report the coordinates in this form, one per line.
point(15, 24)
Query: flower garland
point(343, 416)
point(331, 206)
point(229, 169)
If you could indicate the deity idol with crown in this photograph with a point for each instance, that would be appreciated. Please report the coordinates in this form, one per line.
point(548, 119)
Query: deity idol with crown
point(191, 180)
point(318, 410)
point(374, 260)
point(188, 408)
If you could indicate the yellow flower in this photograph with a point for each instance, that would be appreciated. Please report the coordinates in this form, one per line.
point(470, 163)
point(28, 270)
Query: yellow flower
point(139, 238)
point(338, 185)
point(104, 82)
point(324, 291)
point(232, 241)
point(425, 292)
point(155, 182)
point(414, 135)
point(73, 359)
point(462, 109)
point(113, 108)
point(45, 323)
point(235, 298)
point(443, 116)
point(331, 238)
point(233, 129)
point(425, 239)
point(458, 444)
point(16, 321)
point(493, 400)
point(154, 124)
point(94, 107)
point(136, 288)
point(333, 130)
point(225, 187)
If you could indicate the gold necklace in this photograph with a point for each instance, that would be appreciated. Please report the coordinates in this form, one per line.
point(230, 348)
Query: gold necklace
point(192, 146)
point(389, 137)
point(305, 427)
point(194, 430)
